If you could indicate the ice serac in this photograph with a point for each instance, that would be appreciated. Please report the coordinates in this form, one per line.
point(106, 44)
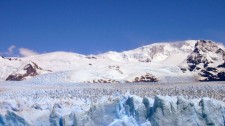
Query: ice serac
point(126, 110)
point(183, 112)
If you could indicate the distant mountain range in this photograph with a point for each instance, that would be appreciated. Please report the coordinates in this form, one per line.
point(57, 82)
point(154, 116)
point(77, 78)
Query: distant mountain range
point(191, 60)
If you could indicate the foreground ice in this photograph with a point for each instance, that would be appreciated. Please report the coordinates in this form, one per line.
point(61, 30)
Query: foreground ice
point(135, 104)
point(117, 110)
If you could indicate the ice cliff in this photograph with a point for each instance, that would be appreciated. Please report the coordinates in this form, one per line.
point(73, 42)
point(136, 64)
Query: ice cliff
point(120, 110)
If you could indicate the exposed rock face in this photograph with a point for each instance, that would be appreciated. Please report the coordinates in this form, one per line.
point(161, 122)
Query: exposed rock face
point(207, 60)
point(146, 78)
point(147, 60)
point(104, 81)
point(116, 68)
point(11, 59)
point(199, 55)
point(91, 57)
point(212, 75)
point(221, 65)
point(120, 111)
point(30, 70)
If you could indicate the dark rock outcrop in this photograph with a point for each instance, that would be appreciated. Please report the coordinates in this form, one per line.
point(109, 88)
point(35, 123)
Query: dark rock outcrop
point(102, 81)
point(202, 60)
point(146, 78)
point(221, 65)
point(116, 68)
point(30, 70)
point(91, 57)
point(199, 55)
point(105, 81)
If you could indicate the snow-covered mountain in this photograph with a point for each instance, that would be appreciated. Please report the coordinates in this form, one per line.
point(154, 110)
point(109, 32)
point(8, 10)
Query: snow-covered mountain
point(191, 60)
point(30, 70)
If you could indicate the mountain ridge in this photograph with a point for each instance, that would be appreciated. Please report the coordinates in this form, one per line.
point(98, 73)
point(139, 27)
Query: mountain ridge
point(159, 60)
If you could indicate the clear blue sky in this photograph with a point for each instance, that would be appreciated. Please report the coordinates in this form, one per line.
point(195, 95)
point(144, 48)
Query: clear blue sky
point(95, 26)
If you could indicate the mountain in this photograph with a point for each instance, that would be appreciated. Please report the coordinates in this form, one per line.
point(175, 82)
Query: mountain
point(191, 60)
point(207, 59)
point(28, 71)
point(152, 53)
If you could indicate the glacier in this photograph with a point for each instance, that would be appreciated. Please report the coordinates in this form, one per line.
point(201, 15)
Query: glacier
point(153, 85)
point(117, 110)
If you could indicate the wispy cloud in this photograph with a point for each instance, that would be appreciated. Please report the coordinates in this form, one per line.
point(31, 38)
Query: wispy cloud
point(27, 52)
point(14, 51)
point(10, 50)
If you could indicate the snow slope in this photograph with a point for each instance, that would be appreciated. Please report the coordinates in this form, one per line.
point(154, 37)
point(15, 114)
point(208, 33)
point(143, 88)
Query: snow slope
point(160, 60)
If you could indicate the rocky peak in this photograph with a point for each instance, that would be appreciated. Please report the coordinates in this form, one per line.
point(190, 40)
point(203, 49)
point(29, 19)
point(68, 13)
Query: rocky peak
point(32, 68)
point(29, 70)
point(206, 45)
point(204, 52)
point(207, 60)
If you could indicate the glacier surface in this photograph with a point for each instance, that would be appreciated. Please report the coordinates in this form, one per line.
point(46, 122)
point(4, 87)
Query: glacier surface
point(117, 110)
